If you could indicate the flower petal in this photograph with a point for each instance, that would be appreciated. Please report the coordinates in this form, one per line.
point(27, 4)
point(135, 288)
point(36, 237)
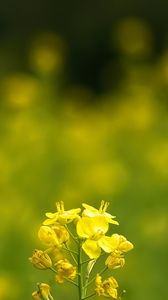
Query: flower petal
point(108, 244)
point(92, 249)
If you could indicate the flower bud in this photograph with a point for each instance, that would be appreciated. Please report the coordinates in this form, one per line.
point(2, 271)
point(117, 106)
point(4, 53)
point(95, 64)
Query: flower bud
point(43, 292)
point(115, 260)
point(40, 260)
point(36, 296)
point(65, 270)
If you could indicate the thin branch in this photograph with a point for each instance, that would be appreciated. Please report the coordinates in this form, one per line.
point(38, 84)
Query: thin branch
point(67, 279)
point(71, 253)
point(70, 233)
point(86, 261)
point(91, 295)
point(100, 273)
point(71, 281)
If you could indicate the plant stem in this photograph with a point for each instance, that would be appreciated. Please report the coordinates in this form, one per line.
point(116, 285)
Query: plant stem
point(69, 250)
point(86, 261)
point(79, 272)
point(67, 279)
point(101, 272)
point(71, 253)
point(91, 295)
point(72, 236)
point(88, 272)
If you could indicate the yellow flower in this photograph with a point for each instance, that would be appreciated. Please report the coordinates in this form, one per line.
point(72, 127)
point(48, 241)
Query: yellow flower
point(90, 211)
point(43, 292)
point(36, 295)
point(123, 245)
point(115, 242)
point(64, 270)
point(93, 230)
point(115, 260)
point(40, 260)
point(61, 216)
point(53, 236)
point(107, 288)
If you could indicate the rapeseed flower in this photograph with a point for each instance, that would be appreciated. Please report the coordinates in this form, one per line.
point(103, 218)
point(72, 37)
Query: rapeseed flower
point(106, 288)
point(93, 230)
point(62, 216)
point(116, 258)
point(43, 292)
point(64, 270)
point(40, 260)
point(90, 211)
point(53, 236)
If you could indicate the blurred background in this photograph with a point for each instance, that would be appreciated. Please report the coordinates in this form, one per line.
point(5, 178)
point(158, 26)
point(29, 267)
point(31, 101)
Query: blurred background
point(83, 117)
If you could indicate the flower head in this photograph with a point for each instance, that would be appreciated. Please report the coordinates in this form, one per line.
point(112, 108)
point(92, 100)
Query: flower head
point(43, 292)
point(65, 270)
point(90, 211)
point(61, 216)
point(115, 260)
point(106, 288)
point(53, 236)
point(40, 260)
point(92, 229)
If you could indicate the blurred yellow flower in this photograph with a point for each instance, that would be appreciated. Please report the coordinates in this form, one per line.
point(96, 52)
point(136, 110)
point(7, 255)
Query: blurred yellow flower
point(118, 244)
point(61, 215)
point(53, 237)
point(106, 288)
point(47, 53)
point(115, 260)
point(21, 90)
point(133, 37)
point(90, 211)
point(40, 260)
point(43, 292)
point(64, 270)
point(36, 295)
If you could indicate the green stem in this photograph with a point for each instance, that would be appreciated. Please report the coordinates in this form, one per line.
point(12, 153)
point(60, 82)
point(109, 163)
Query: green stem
point(89, 270)
point(79, 272)
point(86, 261)
point(100, 273)
point(71, 281)
point(91, 295)
point(72, 236)
point(67, 279)
point(71, 253)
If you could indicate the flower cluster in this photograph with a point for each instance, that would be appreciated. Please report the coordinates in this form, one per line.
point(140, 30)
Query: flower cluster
point(72, 250)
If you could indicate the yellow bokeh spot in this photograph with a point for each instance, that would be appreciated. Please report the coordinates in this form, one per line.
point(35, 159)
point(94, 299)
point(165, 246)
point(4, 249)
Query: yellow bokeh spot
point(20, 90)
point(9, 287)
point(106, 177)
point(133, 37)
point(158, 157)
point(47, 53)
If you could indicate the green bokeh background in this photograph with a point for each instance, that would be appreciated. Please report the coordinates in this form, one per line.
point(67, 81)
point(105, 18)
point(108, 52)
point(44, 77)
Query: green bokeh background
point(83, 117)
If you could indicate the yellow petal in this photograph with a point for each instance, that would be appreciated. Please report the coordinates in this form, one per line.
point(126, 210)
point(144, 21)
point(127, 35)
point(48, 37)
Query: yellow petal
point(108, 244)
point(89, 211)
point(83, 228)
point(93, 227)
point(92, 249)
point(126, 246)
